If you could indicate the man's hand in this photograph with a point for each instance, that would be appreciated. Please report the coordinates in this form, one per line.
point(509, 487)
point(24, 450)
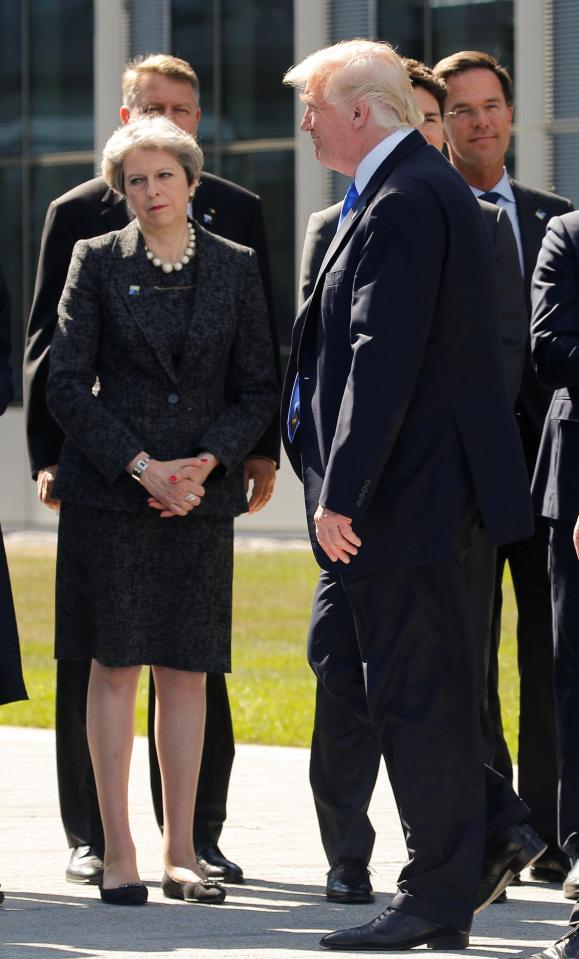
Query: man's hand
point(335, 535)
point(44, 482)
point(576, 537)
point(262, 473)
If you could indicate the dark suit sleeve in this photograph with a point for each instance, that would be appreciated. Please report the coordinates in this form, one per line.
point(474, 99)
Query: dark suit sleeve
point(269, 443)
point(555, 298)
point(44, 436)
point(6, 386)
point(513, 316)
point(88, 423)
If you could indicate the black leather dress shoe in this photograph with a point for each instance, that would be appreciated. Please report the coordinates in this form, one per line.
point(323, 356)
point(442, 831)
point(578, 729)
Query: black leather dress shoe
point(571, 884)
point(349, 881)
point(507, 856)
point(1, 897)
point(85, 865)
point(552, 866)
point(567, 947)
point(395, 930)
point(216, 866)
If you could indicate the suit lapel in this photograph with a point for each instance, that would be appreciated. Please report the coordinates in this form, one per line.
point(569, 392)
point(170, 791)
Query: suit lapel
point(410, 143)
point(133, 281)
point(532, 225)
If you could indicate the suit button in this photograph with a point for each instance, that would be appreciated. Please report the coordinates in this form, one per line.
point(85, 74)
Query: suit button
point(173, 398)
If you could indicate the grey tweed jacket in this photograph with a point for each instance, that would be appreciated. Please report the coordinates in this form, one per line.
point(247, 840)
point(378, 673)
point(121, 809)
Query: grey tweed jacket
point(221, 399)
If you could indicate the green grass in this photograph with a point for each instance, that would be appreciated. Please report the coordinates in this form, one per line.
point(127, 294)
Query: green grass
point(271, 688)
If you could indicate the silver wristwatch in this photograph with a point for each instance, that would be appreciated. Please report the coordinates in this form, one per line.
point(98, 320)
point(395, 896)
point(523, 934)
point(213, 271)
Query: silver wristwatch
point(140, 467)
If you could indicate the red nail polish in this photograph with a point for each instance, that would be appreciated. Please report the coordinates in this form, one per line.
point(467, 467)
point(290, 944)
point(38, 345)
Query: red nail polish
point(204, 459)
point(173, 479)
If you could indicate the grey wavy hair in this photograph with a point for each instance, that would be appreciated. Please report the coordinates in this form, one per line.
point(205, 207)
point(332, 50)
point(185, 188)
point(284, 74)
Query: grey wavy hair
point(359, 69)
point(150, 133)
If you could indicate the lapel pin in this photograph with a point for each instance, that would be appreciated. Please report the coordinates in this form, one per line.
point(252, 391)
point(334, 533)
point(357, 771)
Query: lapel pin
point(208, 217)
point(540, 214)
point(134, 290)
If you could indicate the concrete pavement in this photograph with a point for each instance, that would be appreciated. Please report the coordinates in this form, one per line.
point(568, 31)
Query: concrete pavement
point(280, 912)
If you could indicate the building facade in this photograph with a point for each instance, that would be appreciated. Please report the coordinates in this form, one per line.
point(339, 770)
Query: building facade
point(60, 68)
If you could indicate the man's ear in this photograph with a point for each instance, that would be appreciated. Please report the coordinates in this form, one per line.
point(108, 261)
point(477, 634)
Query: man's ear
point(124, 114)
point(360, 114)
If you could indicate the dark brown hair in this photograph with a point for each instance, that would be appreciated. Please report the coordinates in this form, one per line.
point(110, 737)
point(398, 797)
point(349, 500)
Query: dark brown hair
point(422, 76)
point(475, 60)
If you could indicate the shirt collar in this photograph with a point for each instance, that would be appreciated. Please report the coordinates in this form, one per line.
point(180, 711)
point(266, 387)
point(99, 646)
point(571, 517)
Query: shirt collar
point(502, 187)
point(370, 163)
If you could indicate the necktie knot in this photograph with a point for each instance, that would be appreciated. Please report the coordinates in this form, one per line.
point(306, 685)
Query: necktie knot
point(491, 197)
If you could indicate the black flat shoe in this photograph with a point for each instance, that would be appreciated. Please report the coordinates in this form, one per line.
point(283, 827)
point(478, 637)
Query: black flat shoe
point(209, 893)
point(129, 894)
point(1, 897)
point(216, 866)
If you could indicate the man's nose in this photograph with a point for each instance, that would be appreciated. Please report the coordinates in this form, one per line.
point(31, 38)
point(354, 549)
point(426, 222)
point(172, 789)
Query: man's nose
point(305, 124)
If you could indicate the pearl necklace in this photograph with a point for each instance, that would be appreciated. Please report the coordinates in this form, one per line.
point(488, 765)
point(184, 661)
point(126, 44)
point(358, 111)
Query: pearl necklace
point(183, 261)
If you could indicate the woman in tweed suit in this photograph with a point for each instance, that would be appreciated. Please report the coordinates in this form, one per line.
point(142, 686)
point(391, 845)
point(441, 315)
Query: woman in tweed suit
point(161, 371)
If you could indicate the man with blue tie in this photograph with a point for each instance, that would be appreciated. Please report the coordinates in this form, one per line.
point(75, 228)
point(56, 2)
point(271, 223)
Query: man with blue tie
point(477, 120)
point(401, 460)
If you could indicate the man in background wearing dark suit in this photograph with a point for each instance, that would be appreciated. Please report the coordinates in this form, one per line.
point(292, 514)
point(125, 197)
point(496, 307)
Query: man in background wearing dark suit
point(158, 84)
point(478, 119)
point(401, 461)
point(555, 338)
point(344, 762)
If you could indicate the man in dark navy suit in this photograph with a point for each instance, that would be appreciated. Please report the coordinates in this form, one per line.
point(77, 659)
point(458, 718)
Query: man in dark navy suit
point(165, 85)
point(399, 424)
point(478, 120)
point(555, 342)
point(344, 761)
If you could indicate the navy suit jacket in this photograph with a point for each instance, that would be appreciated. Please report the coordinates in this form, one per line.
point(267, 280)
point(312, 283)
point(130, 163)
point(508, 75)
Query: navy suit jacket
point(91, 209)
point(513, 316)
point(406, 425)
point(555, 345)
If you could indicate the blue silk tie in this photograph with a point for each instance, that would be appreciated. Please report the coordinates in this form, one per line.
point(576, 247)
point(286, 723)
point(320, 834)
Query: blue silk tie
point(491, 197)
point(351, 198)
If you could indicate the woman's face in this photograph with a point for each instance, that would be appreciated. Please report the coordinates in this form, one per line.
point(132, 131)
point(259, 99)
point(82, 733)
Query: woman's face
point(156, 188)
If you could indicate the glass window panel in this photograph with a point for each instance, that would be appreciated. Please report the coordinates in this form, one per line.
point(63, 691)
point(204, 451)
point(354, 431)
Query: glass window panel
point(271, 174)
point(257, 49)
point(480, 25)
point(61, 83)
point(192, 39)
point(11, 260)
point(10, 78)
point(401, 23)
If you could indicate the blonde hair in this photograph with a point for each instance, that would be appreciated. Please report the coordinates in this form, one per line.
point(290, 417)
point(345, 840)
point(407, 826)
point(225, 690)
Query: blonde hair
point(156, 63)
point(359, 69)
point(150, 133)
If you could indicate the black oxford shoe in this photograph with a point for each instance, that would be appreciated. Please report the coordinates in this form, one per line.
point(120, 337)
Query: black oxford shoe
point(349, 881)
point(85, 865)
point(552, 866)
point(567, 947)
point(394, 930)
point(571, 884)
point(520, 846)
point(216, 866)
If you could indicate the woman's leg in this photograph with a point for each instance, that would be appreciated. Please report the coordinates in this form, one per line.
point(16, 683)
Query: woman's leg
point(111, 729)
point(179, 731)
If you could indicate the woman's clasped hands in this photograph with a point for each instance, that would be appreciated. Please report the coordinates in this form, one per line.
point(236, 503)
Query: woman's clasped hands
point(176, 487)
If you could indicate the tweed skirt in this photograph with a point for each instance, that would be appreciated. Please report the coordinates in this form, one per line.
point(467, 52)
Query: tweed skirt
point(135, 589)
